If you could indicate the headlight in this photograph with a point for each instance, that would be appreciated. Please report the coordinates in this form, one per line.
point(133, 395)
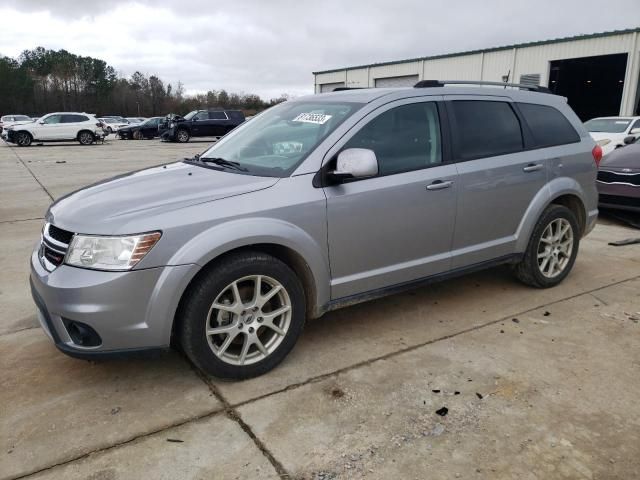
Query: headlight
point(603, 142)
point(110, 253)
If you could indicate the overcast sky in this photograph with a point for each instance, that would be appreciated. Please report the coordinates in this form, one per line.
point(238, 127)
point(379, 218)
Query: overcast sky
point(271, 47)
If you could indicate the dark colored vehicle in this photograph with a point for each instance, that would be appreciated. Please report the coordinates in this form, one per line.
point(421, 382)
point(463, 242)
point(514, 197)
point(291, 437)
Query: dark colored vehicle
point(200, 123)
point(147, 129)
point(619, 177)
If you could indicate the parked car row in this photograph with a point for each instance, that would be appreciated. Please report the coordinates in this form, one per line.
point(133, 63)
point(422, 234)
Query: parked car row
point(63, 126)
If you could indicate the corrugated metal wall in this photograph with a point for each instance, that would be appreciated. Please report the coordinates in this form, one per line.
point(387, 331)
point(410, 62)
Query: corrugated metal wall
point(492, 65)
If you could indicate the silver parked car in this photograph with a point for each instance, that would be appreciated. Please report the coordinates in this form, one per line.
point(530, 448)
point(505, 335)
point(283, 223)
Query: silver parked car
point(317, 203)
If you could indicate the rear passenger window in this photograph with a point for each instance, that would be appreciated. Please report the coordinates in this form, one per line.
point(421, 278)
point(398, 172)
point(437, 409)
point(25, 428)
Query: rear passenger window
point(485, 129)
point(217, 115)
point(404, 138)
point(548, 126)
point(73, 118)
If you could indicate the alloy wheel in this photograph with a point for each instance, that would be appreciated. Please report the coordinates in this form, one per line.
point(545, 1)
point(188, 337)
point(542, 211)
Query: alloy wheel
point(555, 247)
point(248, 320)
point(86, 138)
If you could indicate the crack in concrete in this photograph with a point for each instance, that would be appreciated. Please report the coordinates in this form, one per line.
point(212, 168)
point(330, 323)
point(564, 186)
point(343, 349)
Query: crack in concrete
point(21, 220)
point(233, 415)
point(130, 441)
point(31, 172)
point(230, 410)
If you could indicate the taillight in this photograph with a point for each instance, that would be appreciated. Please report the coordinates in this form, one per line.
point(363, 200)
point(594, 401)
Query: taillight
point(597, 154)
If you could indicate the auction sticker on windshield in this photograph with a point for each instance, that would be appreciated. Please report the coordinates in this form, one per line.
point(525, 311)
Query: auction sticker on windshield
point(319, 118)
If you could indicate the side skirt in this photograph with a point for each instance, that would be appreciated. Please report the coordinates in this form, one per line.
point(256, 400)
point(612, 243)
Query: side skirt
point(421, 282)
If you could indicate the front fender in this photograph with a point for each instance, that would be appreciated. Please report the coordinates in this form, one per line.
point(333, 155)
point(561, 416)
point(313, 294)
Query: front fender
point(554, 189)
point(244, 232)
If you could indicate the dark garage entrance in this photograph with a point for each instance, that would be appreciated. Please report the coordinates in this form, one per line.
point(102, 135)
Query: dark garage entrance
point(592, 85)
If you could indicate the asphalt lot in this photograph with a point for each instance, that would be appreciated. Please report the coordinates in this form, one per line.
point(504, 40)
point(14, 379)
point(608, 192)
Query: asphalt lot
point(539, 384)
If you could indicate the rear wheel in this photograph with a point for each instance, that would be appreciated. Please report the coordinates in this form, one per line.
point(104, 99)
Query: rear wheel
point(23, 139)
point(242, 316)
point(552, 248)
point(182, 136)
point(86, 138)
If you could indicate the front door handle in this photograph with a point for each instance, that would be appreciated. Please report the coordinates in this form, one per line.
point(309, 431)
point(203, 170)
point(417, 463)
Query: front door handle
point(533, 167)
point(439, 185)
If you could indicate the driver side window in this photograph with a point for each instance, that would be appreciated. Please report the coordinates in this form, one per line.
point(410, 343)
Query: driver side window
point(202, 116)
point(404, 138)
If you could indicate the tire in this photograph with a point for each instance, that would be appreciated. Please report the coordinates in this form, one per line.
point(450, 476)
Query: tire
point(109, 130)
point(532, 270)
point(239, 323)
point(136, 135)
point(182, 136)
point(23, 139)
point(85, 137)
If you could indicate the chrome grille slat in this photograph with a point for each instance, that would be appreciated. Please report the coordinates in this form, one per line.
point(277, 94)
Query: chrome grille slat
point(53, 246)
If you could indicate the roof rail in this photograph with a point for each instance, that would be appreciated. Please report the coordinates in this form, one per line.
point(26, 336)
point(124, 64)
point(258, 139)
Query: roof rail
point(442, 83)
point(340, 89)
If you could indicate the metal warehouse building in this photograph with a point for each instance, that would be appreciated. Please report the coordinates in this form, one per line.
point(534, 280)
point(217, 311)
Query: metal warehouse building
point(598, 73)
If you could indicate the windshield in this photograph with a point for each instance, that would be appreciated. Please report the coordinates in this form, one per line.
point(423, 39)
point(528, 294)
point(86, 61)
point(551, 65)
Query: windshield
point(109, 120)
point(275, 142)
point(190, 115)
point(21, 118)
point(609, 125)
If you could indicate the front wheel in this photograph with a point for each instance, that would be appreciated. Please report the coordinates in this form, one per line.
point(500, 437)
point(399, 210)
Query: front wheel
point(24, 139)
point(182, 136)
point(242, 316)
point(552, 248)
point(86, 138)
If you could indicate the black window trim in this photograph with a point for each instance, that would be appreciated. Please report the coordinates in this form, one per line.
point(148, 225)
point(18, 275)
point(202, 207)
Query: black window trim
point(527, 138)
point(320, 178)
point(533, 143)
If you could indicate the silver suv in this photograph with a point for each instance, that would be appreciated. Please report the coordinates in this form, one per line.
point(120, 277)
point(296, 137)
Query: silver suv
point(315, 204)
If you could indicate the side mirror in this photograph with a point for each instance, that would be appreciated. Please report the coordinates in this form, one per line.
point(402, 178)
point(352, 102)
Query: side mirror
point(635, 131)
point(630, 139)
point(41, 123)
point(355, 163)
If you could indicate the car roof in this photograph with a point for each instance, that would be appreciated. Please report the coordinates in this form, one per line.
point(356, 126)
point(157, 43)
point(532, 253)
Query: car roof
point(367, 95)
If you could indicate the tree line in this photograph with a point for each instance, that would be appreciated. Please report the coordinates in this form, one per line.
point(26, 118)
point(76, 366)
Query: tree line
point(40, 81)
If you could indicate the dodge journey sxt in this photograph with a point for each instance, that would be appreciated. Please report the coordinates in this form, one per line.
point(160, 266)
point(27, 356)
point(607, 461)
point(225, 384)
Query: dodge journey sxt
point(315, 204)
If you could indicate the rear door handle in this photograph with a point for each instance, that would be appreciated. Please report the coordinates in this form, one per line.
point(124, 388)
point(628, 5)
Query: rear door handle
point(439, 185)
point(533, 167)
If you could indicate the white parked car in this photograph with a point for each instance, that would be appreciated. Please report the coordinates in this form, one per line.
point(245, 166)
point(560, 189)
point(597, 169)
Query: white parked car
point(610, 132)
point(111, 125)
point(59, 126)
point(9, 120)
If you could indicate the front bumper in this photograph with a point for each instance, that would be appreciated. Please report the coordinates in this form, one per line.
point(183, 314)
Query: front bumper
point(619, 196)
point(132, 312)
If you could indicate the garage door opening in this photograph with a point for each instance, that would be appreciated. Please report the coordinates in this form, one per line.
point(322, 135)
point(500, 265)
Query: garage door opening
point(592, 85)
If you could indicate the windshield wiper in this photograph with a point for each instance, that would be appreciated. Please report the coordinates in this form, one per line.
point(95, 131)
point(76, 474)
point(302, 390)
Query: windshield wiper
point(223, 163)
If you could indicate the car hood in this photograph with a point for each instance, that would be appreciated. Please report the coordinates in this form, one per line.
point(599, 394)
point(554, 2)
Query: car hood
point(627, 157)
point(107, 206)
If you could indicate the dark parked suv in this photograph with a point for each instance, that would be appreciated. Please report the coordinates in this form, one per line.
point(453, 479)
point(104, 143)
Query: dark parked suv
point(200, 123)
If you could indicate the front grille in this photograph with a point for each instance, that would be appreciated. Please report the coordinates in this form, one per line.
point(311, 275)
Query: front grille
point(60, 235)
point(55, 242)
point(606, 176)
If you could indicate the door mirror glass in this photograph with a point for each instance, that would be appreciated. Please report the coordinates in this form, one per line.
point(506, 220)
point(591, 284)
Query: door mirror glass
point(630, 139)
point(356, 163)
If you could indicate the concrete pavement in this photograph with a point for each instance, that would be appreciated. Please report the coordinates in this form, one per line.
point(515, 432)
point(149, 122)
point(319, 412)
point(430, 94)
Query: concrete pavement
point(556, 370)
